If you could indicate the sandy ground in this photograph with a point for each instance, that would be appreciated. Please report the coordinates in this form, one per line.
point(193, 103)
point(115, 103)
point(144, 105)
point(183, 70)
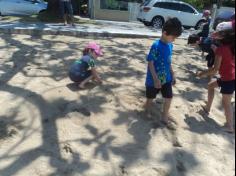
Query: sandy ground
point(50, 128)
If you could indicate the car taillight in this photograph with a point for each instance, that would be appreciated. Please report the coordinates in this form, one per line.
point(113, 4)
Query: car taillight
point(146, 9)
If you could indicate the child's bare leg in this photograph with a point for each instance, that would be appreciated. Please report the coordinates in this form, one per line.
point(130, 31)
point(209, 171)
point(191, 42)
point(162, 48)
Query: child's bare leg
point(72, 20)
point(211, 95)
point(166, 110)
point(147, 107)
point(82, 84)
point(226, 100)
point(210, 77)
point(203, 54)
point(65, 19)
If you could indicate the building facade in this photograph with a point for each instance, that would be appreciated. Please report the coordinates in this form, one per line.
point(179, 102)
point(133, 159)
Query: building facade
point(113, 10)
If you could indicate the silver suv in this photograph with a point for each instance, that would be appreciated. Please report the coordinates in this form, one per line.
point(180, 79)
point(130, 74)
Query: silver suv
point(156, 12)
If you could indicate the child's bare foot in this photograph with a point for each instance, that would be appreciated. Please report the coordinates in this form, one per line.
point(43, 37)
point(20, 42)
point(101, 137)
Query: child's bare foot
point(169, 119)
point(228, 129)
point(81, 86)
point(148, 113)
point(169, 122)
point(170, 125)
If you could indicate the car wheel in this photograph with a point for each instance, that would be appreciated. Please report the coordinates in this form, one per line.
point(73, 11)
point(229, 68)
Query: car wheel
point(199, 24)
point(42, 11)
point(158, 22)
point(147, 23)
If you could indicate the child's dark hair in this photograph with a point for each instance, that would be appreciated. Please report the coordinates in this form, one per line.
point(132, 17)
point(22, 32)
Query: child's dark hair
point(228, 39)
point(173, 27)
point(86, 51)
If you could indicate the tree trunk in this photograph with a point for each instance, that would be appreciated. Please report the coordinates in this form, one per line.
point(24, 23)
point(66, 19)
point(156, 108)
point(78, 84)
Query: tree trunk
point(53, 7)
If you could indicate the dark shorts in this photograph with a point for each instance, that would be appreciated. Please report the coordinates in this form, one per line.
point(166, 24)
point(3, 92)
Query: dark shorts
point(66, 8)
point(227, 87)
point(166, 91)
point(79, 79)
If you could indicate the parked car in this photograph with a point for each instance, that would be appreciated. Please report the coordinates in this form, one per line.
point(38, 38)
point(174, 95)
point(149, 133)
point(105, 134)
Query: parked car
point(22, 7)
point(224, 15)
point(156, 12)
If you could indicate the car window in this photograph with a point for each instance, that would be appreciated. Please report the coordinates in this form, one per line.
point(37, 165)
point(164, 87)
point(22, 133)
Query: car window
point(186, 8)
point(146, 2)
point(168, 5)
point(225, 14)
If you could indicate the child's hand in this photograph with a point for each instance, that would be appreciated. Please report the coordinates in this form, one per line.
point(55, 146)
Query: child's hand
point(157, 84)
point(99, 80)
point(214, 48)
point(200, 74)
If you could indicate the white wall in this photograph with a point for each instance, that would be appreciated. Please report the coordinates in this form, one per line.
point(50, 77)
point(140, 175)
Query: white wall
point(134, 9)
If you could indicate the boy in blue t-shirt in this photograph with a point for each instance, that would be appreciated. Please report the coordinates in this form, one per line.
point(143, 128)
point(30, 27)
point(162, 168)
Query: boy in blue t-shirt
point(160, 75)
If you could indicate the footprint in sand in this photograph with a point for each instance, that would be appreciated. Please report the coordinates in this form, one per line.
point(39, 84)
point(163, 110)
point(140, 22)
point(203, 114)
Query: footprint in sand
point(188, 89)
point(176, 143)
point(7, 131)
point(196, 108)
point(67, 148)
point(12, 132)
point(160, 171)
point(123, 171)
point(180, 166)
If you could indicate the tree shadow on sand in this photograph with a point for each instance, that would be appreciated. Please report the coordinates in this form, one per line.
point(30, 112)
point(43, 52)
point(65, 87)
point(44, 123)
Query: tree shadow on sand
point(181, 162)
point(50, 111)
point(206, 125)
point(9, 126)
point(50, 147)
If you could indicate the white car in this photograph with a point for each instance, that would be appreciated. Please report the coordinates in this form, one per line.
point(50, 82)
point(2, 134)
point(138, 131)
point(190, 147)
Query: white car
point(22, 7)
point(156, 12)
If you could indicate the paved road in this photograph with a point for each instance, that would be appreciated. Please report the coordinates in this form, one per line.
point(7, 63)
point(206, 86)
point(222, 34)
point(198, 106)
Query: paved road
point(99, 28)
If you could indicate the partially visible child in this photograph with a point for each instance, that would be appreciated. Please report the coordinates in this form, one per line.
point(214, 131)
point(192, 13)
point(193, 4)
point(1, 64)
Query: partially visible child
point(225, 65)
point(206, 26)
point(160, 75)
point(84, 70)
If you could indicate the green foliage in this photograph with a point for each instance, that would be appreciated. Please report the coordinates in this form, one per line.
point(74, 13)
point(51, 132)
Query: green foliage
point(207, 4)
point(200, 4)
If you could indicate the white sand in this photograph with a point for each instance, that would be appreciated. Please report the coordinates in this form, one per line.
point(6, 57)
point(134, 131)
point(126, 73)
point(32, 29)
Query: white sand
point(49, 128)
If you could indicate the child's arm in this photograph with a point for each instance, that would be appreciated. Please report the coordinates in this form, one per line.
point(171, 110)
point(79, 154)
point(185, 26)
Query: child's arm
point(213, 71)
point(157, 82)
point(96, 75)
point(173, 75)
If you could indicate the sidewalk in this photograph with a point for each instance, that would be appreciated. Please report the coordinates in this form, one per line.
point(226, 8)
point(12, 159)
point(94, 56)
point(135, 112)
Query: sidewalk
point(100, 29)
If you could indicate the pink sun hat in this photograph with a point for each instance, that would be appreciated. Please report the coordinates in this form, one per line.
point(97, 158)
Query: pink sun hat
point(206, 13)
point(97, 49)
point(223, 27)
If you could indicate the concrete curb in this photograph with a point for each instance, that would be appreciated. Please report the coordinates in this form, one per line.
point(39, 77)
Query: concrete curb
point(84, 31)
point(40, 32)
